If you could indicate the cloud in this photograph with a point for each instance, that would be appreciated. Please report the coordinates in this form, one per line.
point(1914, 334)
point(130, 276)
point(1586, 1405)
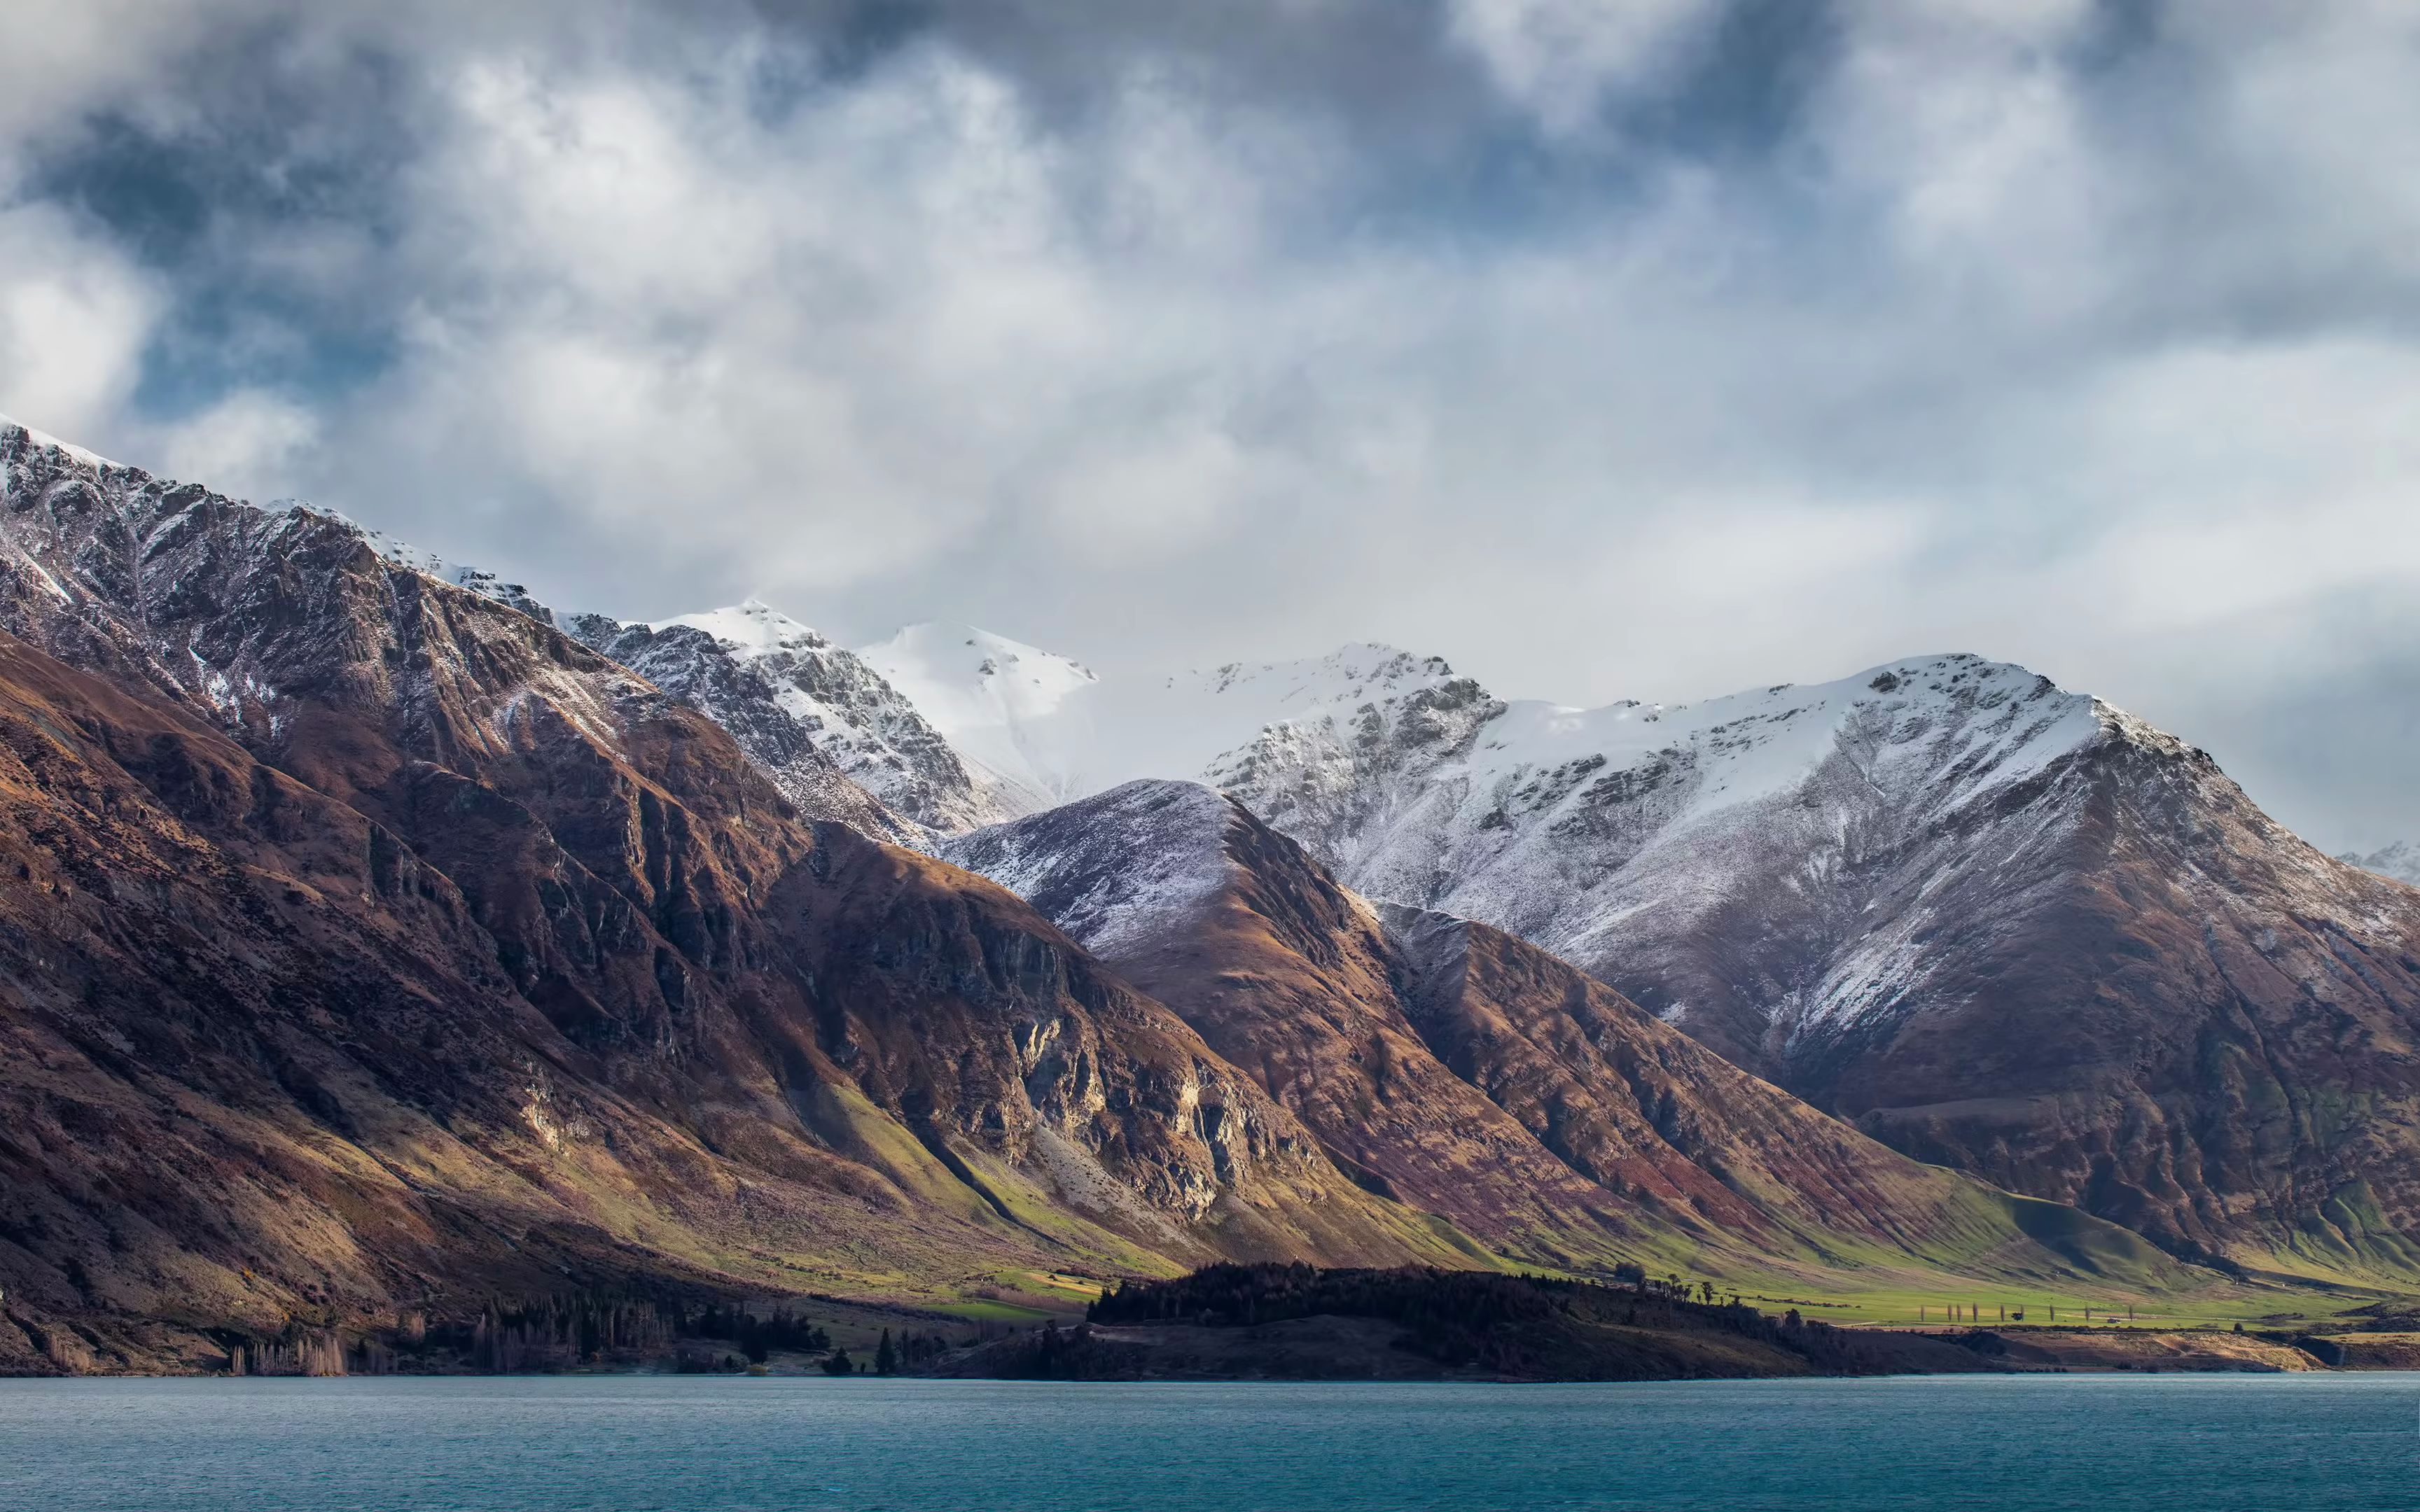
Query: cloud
point(75, 315)
point(245, 444)
point(1640, 348)
point(1560, 59)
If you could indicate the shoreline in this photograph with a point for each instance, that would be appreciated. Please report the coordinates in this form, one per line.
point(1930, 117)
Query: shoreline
point(1328, 1348)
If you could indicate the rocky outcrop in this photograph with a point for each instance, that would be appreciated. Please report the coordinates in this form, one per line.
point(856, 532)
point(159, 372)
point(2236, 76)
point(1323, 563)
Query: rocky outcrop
point(802, 707)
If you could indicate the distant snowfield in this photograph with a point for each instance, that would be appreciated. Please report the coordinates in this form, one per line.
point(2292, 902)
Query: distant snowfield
point(1049, 729)
point(2400, 860)
point(1022, 717)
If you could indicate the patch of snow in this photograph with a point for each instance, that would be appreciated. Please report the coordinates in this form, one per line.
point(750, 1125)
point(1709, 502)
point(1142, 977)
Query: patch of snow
point(750, 628)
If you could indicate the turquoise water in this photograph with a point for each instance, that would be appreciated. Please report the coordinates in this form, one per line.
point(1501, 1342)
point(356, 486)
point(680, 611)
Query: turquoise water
point(2262, 1443)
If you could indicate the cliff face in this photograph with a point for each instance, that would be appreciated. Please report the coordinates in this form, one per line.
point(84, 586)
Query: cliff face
point(1475, 1075)
point(373, 941)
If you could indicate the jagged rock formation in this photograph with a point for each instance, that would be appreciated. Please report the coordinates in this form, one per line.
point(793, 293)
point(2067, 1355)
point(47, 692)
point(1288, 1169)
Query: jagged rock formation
point(2000, 926)
point(802, 706)
point(372, 940)
point(1472, 1074)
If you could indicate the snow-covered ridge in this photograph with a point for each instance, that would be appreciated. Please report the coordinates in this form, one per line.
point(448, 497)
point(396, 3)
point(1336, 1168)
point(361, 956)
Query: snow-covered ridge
point(429, 563)
point(1118, 870)
point(39, 438)
point(799, 705)
point(750, 628)
point(1528, 757)
point(1617, 835)
point(2399, 861)
point(1020, 717)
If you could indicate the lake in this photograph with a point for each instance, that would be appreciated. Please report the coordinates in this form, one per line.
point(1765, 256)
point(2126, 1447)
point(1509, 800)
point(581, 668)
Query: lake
point(636, 1443)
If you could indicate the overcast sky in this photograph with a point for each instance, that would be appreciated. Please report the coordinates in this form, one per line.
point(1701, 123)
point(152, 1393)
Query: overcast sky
point(1608, 347)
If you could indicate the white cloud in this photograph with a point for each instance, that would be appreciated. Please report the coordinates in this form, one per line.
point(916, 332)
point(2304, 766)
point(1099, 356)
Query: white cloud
point(1559, 59)
point(246, 444)
point(75, 314)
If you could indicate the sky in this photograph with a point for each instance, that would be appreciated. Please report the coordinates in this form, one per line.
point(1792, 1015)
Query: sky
point(1609, 348)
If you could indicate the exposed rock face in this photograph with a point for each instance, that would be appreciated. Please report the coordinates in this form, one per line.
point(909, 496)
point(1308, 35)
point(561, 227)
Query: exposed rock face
point(801, 707)
point(374, 938)
point(2001, 926)
point(1471, 1074)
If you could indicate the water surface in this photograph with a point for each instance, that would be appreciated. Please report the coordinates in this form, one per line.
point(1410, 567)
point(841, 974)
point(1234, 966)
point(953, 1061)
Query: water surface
point(638, 1444)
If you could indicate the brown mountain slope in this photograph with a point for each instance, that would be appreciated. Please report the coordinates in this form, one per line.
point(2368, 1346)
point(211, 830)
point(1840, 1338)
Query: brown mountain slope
point(1289, 978)
point(1475, 1075)
point(260, 1063)
point(486, 937)
point(2165, 1008)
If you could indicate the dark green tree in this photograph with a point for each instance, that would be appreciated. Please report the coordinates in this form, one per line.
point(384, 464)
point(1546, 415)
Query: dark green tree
point(838, 1364)
point(886, 1359)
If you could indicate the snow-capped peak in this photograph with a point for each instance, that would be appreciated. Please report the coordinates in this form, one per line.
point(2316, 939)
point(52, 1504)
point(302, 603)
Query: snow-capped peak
point(1023, 716)
point(41, 438)
point(749, 628)
point(1538, 817)
point(1751, 746)
point(1352, 670)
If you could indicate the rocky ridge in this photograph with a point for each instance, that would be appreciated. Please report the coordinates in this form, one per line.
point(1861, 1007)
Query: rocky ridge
point(798, 704)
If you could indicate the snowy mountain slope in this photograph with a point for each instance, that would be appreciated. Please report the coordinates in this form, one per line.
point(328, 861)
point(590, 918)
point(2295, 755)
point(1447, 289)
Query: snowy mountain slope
point(810, 714)
point(1021, 719)
point(2004, 927)
point(1566, 826)
point(799, 705)
point(2400, 861)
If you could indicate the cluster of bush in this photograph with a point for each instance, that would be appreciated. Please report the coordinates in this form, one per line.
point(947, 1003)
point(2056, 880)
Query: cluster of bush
point(1516, 1325)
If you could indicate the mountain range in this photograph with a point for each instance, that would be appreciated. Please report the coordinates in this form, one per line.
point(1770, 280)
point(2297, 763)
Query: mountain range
point(381, 938)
